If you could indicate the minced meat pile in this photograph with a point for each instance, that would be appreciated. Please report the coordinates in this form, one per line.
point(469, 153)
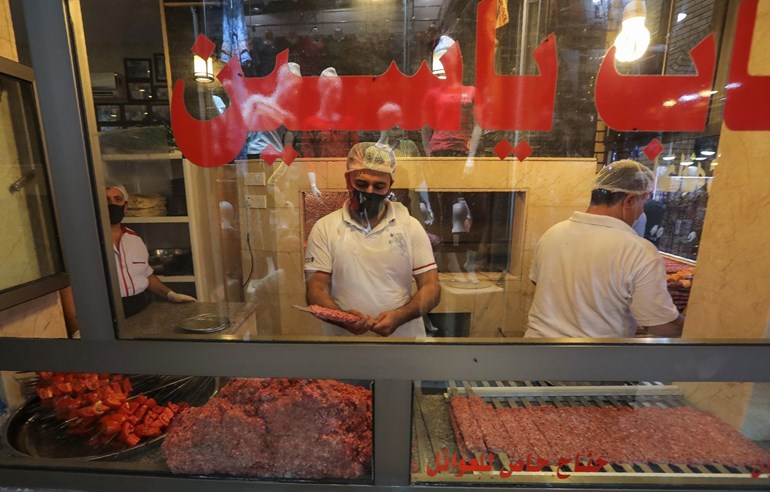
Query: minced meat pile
point(279, 428)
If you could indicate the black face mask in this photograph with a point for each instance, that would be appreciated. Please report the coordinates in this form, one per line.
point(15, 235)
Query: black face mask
point(368, 204)
point(117, 212)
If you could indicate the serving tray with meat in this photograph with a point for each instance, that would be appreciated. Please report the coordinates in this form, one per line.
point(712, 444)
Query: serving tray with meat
point(93, 416)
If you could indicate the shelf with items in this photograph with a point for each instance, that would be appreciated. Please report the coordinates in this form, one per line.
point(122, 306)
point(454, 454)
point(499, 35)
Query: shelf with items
point(176, 278)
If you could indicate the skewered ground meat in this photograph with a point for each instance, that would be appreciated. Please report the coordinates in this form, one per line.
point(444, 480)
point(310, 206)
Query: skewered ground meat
point(332, 315)
point(679, 436)
point(280, 428)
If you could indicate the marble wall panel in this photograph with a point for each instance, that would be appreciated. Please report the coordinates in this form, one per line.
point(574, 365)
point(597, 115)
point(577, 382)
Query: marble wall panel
point(7, 36)
point(38, 318)
point(540, 219)
point(730, 296)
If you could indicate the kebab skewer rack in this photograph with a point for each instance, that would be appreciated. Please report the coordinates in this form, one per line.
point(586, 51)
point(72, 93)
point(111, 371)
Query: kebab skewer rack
point(436, 452)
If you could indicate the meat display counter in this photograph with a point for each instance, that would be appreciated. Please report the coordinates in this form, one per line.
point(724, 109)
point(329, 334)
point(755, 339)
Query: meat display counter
point(568, 433)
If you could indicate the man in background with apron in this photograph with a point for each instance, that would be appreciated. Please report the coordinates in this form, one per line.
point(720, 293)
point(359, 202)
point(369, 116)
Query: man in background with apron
point(362, 257)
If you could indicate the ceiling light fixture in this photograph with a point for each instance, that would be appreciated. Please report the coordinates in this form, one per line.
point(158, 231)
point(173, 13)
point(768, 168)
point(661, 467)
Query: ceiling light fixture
point(681, 16)
point(707, 152)
point(634, 38)
point(203, 70)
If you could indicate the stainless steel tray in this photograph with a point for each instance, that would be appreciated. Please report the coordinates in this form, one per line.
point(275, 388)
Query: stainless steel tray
point(205, 323)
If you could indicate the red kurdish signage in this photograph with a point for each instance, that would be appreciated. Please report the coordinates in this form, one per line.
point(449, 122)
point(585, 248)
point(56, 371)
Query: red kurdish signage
point(672, 103)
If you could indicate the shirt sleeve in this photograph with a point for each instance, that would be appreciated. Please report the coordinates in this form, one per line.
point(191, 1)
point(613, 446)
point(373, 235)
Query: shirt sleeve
point(318, 254)
point(145, 255)
point(422, 253)
point(651, 303)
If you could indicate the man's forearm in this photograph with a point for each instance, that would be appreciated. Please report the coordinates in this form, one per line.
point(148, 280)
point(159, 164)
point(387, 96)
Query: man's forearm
point(672, 329)
point(317, 293)
point(422, 302)
point(157, 287)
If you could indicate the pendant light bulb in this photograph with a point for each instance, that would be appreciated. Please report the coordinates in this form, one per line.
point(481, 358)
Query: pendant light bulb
point(634, 38)
point(203, 70)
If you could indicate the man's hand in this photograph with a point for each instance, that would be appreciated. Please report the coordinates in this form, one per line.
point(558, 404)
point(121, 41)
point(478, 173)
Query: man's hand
point(177, 297)
point(386, 323)
point(364, 323)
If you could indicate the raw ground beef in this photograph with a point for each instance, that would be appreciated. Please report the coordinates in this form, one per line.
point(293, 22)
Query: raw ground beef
point(282, 428)
point(678, 436)
point(332, 315)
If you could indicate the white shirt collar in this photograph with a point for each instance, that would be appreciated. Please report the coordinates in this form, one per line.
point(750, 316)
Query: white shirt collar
point(601, 220)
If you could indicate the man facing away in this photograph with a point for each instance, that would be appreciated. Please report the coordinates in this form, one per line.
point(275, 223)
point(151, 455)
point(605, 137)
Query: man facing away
point(594, 276)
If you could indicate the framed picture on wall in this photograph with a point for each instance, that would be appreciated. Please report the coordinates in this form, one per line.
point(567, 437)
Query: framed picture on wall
point(159, 67)
point(108, 113)
point(160, 93)
point(136, 113)
point(160, 112)
point(139, 91)
point(138, 69)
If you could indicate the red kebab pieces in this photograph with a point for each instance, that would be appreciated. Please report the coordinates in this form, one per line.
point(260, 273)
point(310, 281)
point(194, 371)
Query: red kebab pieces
point(101, 406)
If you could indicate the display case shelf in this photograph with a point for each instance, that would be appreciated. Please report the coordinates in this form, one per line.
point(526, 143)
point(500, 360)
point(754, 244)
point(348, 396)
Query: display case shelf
point(142, 157)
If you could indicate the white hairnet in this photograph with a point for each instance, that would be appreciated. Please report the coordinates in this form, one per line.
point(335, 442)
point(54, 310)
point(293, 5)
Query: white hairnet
point(119, 187)
point(369, 155)
point(626, 176)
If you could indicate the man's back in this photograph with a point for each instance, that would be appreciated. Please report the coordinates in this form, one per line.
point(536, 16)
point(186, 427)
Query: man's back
point(596, 278)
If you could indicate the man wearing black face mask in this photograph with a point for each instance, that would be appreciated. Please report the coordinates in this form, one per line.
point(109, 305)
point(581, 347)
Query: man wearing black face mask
point(131, 257)
point(362, 258)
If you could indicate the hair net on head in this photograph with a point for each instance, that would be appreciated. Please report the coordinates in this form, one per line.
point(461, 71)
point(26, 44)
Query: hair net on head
point(119, 187)
point(626, 176)
point(369, 155)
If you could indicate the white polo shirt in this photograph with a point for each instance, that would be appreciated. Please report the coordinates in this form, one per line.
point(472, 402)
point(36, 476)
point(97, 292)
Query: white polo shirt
point(370, 271)
point(131, 257)
point(596, 278)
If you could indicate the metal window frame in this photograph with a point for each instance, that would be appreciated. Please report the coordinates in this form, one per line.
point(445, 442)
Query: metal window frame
point(19, 294)
point(392, 365)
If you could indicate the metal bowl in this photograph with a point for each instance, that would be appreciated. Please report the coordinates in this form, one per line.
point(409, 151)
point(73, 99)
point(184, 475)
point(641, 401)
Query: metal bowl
point(159, 258)
point(164, 260)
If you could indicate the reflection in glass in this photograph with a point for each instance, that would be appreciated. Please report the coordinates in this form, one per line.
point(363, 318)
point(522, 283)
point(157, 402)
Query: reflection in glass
point(29, 250)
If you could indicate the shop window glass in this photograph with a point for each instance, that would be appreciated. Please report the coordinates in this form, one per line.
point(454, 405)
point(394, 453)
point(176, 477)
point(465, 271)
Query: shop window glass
point(225, 216)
